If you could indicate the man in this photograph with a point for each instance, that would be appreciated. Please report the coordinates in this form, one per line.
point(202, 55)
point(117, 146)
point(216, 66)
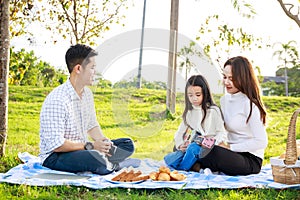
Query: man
point(68, 120)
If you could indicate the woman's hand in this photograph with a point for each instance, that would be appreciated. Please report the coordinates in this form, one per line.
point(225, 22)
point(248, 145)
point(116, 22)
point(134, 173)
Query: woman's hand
point(224, 145)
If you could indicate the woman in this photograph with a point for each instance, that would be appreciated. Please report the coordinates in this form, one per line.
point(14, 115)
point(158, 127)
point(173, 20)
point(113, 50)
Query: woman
point(245, 118)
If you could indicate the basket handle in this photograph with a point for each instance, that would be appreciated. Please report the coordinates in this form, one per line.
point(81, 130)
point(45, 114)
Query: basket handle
point(291, 147)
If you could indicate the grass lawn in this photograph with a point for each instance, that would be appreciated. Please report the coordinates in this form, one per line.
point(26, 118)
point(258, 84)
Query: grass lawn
point(138, 114)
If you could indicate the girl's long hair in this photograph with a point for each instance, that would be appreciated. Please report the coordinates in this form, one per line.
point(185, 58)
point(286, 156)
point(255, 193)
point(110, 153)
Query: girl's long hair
point(244, 79)
point(207, 102)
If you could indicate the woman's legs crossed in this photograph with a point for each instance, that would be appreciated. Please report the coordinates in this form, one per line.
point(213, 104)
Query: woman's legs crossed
point(231, 163)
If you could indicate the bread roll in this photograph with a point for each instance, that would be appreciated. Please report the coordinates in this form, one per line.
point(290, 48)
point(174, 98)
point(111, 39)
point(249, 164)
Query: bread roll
point(163, 177)
point(153, 175)
point(175, 176)
point(164, 169)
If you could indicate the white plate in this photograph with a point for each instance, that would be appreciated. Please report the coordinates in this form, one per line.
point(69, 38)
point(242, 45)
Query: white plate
point(172, 182)
point(109, 177)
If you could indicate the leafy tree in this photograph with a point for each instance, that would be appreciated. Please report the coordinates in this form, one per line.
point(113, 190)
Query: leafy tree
point(293, 74)
point(103, 83)
point(224, 39)
point(22, 13)
point(271, 88)
point(187, 52)
point(81, 21)
point(288, 56)
point(20, 62)
point(146, 84)
point(278, 89)
point(27, 69)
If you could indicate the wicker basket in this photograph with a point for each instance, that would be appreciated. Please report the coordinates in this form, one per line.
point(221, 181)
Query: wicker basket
point(287, 170)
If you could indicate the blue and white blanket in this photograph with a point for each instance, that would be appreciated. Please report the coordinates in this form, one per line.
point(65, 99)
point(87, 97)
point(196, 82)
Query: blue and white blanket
point(33, 173)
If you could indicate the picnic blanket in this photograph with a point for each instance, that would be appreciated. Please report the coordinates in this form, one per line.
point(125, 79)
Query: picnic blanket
point(33, 173)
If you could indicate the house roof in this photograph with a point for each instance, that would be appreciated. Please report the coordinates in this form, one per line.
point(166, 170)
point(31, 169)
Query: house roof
point(276, 79)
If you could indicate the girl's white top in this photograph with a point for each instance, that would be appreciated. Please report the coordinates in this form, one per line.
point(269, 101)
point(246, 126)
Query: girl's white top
point(243, 137)
point(213, 125)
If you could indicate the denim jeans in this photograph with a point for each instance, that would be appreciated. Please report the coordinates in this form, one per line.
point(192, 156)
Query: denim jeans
point(184, 160)
point(91, 160)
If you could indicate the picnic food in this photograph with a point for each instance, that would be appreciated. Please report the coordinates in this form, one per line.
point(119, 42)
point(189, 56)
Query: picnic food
point(163, 177)
point(153, 175)
point(177, 176)
point(130, 176)
point(165, 174)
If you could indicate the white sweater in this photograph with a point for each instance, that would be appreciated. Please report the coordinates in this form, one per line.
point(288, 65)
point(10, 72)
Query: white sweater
point(243, 137)
point(213, 125)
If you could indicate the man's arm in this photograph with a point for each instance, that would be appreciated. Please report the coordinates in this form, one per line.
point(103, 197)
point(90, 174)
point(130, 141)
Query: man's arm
point(96, 133)
point(70, 146)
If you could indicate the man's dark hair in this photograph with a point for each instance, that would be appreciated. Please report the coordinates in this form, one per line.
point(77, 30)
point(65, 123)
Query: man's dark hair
point(78, 54)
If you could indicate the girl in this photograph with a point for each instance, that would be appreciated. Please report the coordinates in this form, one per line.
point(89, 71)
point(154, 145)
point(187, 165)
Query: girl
point(200, 115)
point(245, 117)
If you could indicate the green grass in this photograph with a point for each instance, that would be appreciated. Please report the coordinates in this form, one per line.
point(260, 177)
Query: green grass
point(138, 114)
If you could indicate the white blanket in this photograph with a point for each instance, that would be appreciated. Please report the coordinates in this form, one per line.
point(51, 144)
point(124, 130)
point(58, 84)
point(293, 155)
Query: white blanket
point(33, 173)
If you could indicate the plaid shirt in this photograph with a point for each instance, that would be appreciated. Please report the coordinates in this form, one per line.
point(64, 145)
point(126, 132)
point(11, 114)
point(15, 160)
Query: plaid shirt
point(65, 116)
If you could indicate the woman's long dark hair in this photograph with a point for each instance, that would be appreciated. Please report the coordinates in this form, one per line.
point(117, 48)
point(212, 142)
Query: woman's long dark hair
point(244, 79)
point(207, 102)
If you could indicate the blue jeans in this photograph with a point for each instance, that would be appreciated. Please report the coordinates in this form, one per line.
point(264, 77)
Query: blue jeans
point(91, 160)
point(184, 160)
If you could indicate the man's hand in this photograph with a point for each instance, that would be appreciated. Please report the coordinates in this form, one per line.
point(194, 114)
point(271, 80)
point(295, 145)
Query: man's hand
point(103, 145)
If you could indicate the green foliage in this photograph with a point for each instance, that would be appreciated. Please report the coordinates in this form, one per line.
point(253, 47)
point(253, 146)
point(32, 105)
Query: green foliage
point(245, 9)
point(141, 104)
point(226, 39)
point(26, 69)
point(20, 62)
point(288, 56)
point(287, 53)
point(271, 88)
point(21, 13)
point(103, 83)
point(187, 53)
point(145, 84)
point(81, 21)
point(293, 79)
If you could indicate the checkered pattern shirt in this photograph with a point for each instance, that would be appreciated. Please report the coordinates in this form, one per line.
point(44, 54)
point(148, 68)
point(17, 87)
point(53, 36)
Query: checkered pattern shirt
point(65, 116)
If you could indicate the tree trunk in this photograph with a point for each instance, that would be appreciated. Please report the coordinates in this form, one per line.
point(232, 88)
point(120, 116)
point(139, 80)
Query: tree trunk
point(4, 65)
point(139, 76)
point(171, 86)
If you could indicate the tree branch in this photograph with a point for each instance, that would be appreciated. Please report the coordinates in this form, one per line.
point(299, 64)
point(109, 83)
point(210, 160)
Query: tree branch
point(102, 23)
point(287, 9)
point(86, 17)
point(69, 19)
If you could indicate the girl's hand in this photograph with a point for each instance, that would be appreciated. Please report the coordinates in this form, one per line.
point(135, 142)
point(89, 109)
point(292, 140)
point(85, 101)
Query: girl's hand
point(184, 146)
